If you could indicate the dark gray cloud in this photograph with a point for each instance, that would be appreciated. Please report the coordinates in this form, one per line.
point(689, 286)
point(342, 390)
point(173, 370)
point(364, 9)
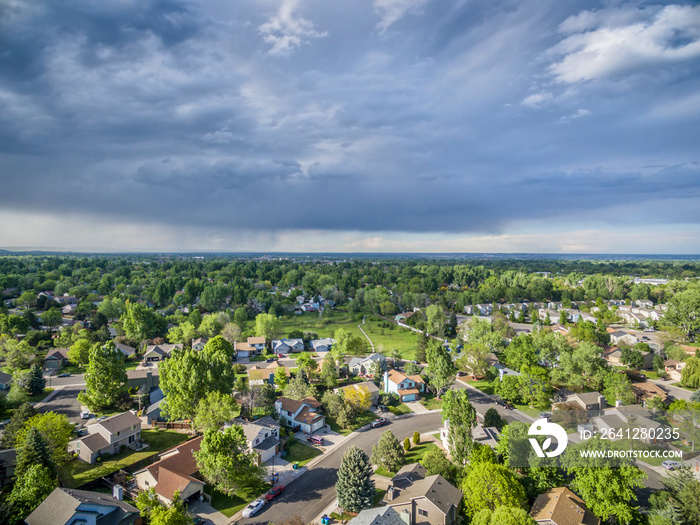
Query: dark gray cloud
point(351, 116)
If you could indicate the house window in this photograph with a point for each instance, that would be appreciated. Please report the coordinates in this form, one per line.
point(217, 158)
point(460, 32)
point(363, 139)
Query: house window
point(422, 512)
point(132, 438)
point(266, 434)
point(257, 440)
point(118, 433)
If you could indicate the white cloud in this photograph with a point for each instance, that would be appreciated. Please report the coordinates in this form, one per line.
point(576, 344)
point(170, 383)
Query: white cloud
point(286, 31)
point(536, 100)
point(391, 11)
point(601, 46)
point(578, 114)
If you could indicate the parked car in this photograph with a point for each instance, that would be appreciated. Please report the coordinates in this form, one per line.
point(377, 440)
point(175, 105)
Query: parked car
point(461, 373)
point(270, 360)
point(316, 440)
point(670, 465)
point(63, 375)
point(253, 508)
point(382, 408)
point(505, 404)
point(274, 492)
point(546, 415)
point(85, 414)
point(380, 422)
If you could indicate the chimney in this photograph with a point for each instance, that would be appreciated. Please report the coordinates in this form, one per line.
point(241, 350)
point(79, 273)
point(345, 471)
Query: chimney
point(118, 492)
point(391, 493)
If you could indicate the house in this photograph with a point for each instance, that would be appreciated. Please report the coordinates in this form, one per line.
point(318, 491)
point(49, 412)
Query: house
point(421, 499)
point(480, 434)
point(72, 507)
point(587, 400)
point(304, 415)
point(483, 309)
point(620, 336)
point(258, 375)
point(560, 506)
point(367, 387)
point(408, 388)
point(287, 346)
point(364, 365)
point(144, 380)
point(8, 462)
point(403, 316)
point(645, 391)
point(175, 472)
point(322, 345)
point(199, 343)
point(56, 358)
point(160, 352)
point(632, 416)
point(378, 516)
point(262, 436)
point(127, 350)
point(674, 368)
point(151, 414)
point(253, 346)
point(108, 437)
point(5, 381)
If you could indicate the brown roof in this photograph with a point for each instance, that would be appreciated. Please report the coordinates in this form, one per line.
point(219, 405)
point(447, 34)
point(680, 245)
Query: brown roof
point(57, 353)
point(645, 391)
point(308, 416)
point(395, 376)
point(408, 391)
point(417, 379)
point(170, 482)
point(312, 402)
point(120, 422)
point(256, 340)
point(436, 489)
point(292, 405)
point(176, 468)
point(245, 347)
point(562, 507)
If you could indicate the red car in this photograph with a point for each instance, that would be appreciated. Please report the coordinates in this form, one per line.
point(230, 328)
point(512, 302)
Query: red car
point(274, 492)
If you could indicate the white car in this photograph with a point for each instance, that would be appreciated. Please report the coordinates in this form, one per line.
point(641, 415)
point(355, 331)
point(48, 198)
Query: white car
point(670, 465)
point(85, 414)
point(253, 508)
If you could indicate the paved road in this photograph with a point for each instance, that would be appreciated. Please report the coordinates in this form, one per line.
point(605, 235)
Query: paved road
point(65, 401)
point(311, 493)
point(76, 380)
point(482, 402)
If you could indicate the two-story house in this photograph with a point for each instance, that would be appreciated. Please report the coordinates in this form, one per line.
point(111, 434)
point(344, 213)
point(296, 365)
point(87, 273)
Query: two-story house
point(252, 347)
point(367, 388)
point(560, 506)
point(174, 472)
point(108, 437)
point(72, 507)
point(420, 499)
point(262, 436)
point(199, 343)
point(287, 346)
point(408, 388)
point(304, 415)
point(365, 365)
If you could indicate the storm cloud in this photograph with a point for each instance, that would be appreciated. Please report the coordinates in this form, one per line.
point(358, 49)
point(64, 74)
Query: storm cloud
point(393, 116)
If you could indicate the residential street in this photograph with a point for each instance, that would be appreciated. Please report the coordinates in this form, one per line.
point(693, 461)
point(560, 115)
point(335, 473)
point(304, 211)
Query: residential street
point(312, 492)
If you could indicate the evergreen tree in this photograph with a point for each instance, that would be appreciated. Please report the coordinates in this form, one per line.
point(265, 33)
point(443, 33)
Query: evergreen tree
point(105, 378)
point(441, 370)
point(355, 488)
point(388, 452)
point(31, 488)
point(34, 452)
point(35, 380)
point(416, 438)
point(19, 417)
point(461, 415)
point(421, 348)
point(407, 444)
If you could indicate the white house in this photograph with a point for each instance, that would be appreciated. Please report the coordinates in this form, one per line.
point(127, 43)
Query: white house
point(364, 365)
point(199, 343)
point(262, 436)
point(253, 346)
point(408, 388)
point(304, 415)
point(619, 336)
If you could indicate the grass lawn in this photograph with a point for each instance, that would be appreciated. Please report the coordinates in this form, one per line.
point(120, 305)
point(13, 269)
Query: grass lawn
point(651, 374)
point(534, 412)
point(678, 385)
point(229, 505)
point(437, 436)
point(77, 473)
point(482, 384)
point(400, 409)
point(39, 397)
point(381, 471)
point(429, 401)
point(301, 453)
point(418, 451)
point(365, 418)
point(378, 496)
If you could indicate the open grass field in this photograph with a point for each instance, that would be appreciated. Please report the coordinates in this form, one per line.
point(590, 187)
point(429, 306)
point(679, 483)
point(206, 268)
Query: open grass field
point(403, 340)
point(77, 473)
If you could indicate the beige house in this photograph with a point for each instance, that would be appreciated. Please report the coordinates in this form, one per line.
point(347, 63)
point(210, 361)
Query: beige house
point(108, 437)
point(560, 506)
point(253, 346)
point(421, 499)
point(199, 343)
point(160, 352)
point(73, 507)
point(56, 358)
point(586, 400)
point(366, 387)
point(175, 471)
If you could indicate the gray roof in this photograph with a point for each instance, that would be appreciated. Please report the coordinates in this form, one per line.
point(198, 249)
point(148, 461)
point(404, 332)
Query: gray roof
point(61, 505)
point(5, 378)
point(251, 429)
point(94, 442)
point(409, 473)
point(619, 333)
point(267, 444)
point(378, 516)
point(125, 349)
point(120, 422)
point(8, 457)
point(589, 397)
point(435, 489)
point(154, 407)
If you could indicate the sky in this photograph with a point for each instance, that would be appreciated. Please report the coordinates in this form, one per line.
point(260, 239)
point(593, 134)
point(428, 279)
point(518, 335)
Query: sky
point(350, 126)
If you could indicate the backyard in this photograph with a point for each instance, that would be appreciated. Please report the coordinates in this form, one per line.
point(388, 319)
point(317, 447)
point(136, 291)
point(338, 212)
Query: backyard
point(76, 473)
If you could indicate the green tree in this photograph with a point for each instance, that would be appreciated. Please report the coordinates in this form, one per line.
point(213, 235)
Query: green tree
point(690, 376)
point(489, 485)
point(281, 378)
point(441, 371)
point(421, 348)
point(461, 415)
point(210, 326)
point(106, 382)
point(388, 452)
point(684, 312)
point(435, 318)
point(299, 388)
point(214, 410)
point(225, 460)
point(631, 358)
point(35, 380)
point(329, 374)
point(508, 387)
point(158, 513)
point(436, 462)
point(407, 444)
point(535, 387)
point(17, 420)
point(31, 488)
point(240, 317)
point(55, 429)
point(606, 485)
point(140, 322)
point(306, 361)
point(493, 419)
point(416, 438)
point(79, 353)
point(502, 515)
point(355, 488)
point(267, 326)
point(52, 317)
point(617, 386)
point(34, 450)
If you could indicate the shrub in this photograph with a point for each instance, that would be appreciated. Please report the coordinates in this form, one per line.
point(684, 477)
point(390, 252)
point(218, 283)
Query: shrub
point(416, 438)
point(407, 444)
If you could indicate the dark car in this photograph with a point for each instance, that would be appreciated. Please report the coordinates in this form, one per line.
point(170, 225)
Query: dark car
point(274, 492)
point(379, 422)
point(270, 360)
point(63, 375)
point(382, 408)
point(505, 404)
